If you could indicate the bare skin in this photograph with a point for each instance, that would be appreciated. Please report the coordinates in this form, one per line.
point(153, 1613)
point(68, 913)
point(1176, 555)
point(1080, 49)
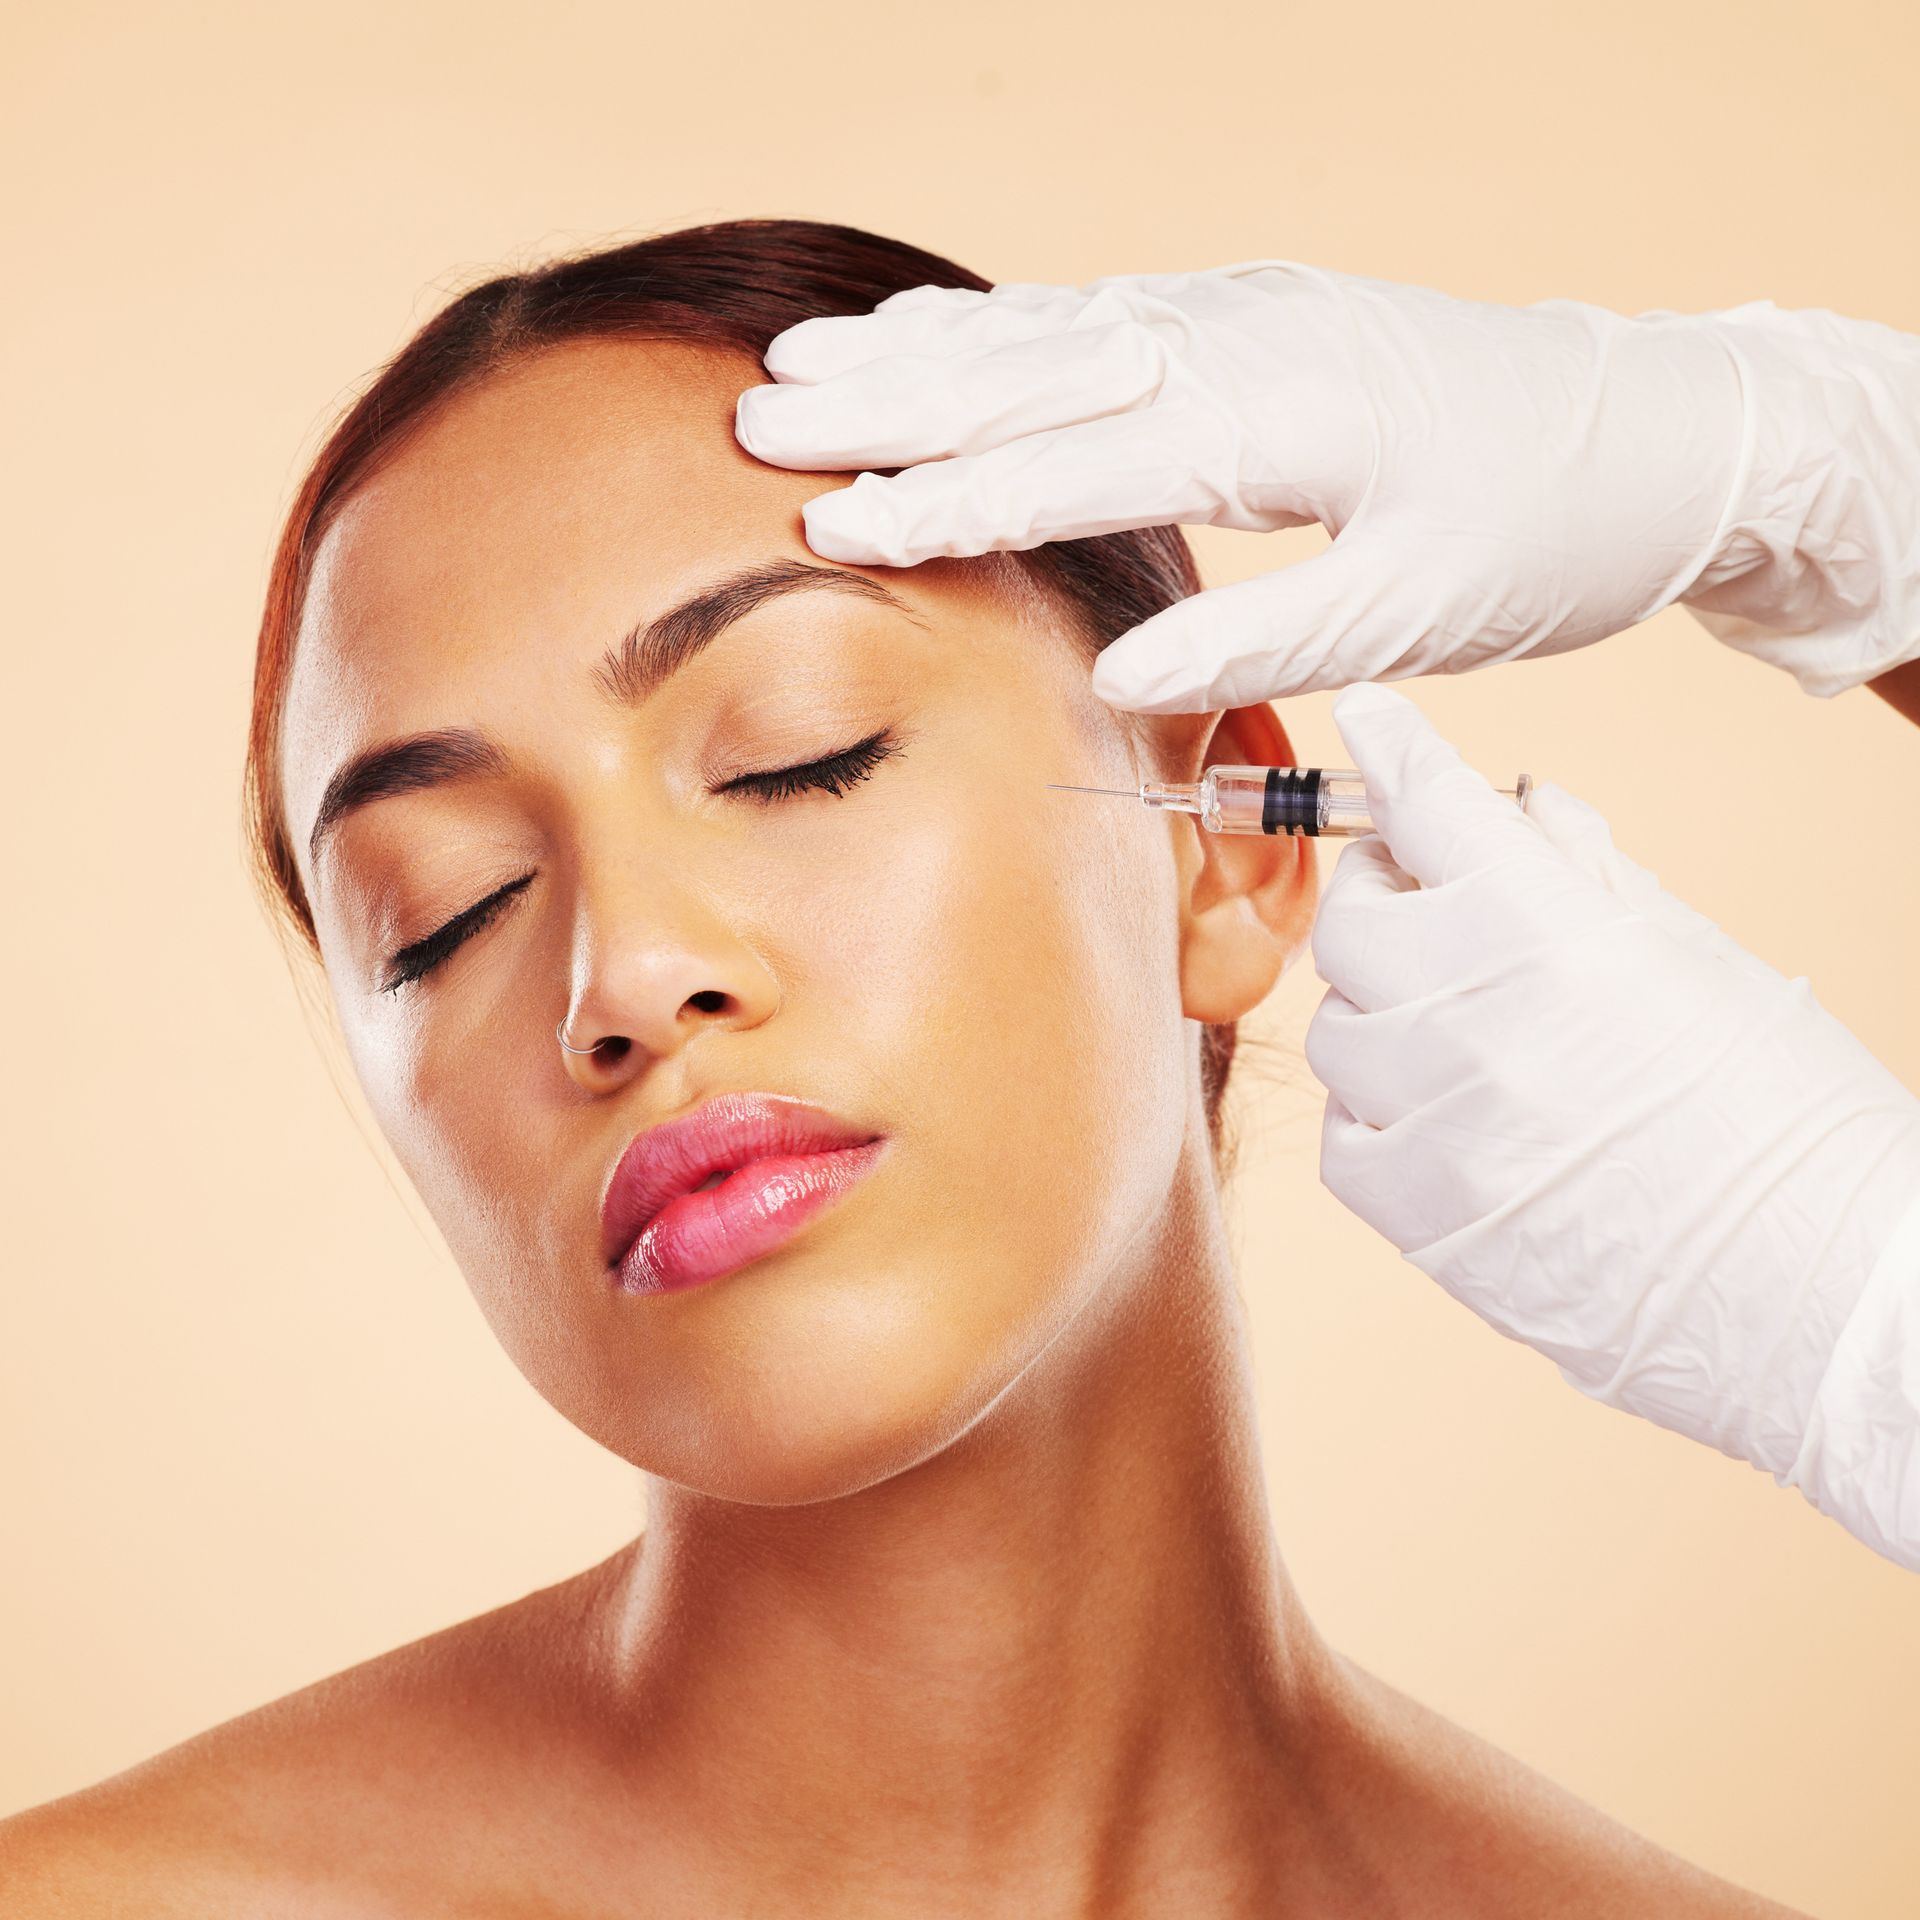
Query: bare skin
point(958, 1594)
point(1900, 689)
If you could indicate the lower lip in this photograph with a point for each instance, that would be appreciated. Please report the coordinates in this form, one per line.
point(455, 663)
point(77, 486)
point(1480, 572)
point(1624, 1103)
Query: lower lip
point(761, 1206)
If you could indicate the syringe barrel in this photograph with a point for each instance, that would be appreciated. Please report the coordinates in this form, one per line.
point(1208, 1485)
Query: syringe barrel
point(1293, 800)
point(1321, 802)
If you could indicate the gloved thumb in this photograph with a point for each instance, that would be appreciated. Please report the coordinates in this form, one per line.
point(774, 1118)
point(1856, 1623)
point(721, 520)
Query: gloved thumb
point(1439, 818)
point(1315, 624)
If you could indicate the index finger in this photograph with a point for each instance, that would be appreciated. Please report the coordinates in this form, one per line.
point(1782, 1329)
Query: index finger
point(918, 320)
point(908, 408)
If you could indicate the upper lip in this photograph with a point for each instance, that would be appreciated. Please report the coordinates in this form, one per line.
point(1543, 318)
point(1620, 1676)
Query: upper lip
point(721, 1133)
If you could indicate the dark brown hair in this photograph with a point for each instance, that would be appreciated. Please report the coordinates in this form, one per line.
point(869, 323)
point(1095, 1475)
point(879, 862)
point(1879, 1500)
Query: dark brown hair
point(732, 286)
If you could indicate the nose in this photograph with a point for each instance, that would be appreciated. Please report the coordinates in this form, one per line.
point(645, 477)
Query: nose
point(652, 980)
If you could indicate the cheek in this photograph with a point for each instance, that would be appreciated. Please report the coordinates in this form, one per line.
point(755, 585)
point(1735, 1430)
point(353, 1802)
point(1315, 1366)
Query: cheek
point(454, 1090)
point(476, 1108)
point(1012, 998)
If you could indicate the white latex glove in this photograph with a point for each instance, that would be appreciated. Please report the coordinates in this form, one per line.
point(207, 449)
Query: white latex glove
point(1617, 1136)
point(1500, 481)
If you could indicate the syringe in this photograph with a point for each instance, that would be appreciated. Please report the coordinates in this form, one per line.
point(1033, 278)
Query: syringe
point(1322, 802)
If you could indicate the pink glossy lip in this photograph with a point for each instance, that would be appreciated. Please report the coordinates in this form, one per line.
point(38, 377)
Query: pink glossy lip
point(784, 1161)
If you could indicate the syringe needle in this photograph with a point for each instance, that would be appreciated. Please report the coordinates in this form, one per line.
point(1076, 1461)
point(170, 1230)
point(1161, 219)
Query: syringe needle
point(1123, 793)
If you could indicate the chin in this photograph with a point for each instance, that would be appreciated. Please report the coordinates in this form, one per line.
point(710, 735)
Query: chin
point(775, 1467)
point(817, 1400)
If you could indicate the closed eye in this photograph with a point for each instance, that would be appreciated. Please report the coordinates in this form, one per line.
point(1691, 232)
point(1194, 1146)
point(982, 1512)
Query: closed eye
point(835, 773)
point(416, 961)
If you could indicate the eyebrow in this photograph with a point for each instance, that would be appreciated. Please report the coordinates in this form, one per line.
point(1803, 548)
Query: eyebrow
point(626, 674)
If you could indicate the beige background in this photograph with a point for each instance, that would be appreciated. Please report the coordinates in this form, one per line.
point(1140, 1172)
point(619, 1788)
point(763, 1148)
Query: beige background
point(253, 1429)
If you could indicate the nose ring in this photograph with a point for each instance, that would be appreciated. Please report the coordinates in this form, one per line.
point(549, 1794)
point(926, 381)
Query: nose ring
point(560, 1034)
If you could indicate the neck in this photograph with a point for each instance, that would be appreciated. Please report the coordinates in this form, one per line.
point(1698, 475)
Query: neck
point(1061, 1652)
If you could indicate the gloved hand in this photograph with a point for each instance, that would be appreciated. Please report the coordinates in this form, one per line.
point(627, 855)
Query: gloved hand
point(1616, 1135)
point(1500, 481)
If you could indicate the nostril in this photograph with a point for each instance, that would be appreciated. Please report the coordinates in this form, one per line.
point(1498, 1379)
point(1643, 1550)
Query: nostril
point(612, 1049)
point(708, 1000)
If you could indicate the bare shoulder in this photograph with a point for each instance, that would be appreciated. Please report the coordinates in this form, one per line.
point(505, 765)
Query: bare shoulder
point(339, 1799)
point(1513, 1841)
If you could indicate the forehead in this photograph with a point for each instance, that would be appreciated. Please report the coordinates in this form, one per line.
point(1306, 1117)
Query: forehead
point(583, 471)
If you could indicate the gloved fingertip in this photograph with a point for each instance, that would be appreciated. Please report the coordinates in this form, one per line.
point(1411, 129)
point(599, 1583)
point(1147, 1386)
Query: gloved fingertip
point(1370, 718)
point(795, 353)
point(850, 525)
point(1362, 697)
point(748, 421)
point(1206, 654)
point(1146, 679)
point(1375, 721)
point(1439, 815)
point(782, 425)
point(1174, 700)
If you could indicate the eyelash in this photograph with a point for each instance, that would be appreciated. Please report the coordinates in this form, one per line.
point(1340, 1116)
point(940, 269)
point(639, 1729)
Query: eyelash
point(834, 773)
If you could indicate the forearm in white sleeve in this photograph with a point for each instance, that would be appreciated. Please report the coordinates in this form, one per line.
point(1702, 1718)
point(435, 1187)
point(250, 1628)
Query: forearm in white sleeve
point(1859, 1460)
point(1817, 568)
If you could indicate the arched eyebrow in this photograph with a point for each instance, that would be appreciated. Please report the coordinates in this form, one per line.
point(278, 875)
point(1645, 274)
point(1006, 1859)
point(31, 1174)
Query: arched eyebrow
point(628, 673)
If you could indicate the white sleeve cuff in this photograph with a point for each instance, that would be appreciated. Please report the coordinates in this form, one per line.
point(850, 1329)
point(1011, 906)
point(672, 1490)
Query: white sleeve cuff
point(1817, 570)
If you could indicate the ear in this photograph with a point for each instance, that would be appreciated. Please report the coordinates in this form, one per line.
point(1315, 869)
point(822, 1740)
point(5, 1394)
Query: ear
point(1247, 899)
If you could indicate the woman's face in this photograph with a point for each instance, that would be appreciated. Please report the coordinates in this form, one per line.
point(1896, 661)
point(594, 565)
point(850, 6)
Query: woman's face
point(986, 975)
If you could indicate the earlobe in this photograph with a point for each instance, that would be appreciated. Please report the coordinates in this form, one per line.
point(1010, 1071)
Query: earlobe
point(1248, 899)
